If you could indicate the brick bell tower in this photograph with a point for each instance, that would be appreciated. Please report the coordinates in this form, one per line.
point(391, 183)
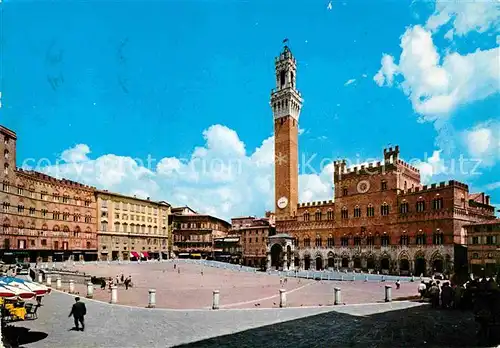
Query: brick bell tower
point(286, 103)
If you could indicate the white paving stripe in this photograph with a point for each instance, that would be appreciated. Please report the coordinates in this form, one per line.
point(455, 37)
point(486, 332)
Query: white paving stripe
point(264, 298)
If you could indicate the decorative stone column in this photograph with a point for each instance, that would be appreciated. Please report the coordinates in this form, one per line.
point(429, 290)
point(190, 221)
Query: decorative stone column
point(49, 280)
point(285, 260)
point(58, 283)
point(336, 296)
point(114, 294)
point(215, 299)
point(282, 298)
point(152, 298)
point(90, 290)
point(388, 293)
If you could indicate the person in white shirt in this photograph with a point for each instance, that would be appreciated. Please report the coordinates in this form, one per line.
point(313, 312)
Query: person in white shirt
point(421, 289)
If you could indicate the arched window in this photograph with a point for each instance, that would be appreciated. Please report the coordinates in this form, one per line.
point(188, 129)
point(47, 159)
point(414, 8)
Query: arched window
point(307, 242)
point(370, 210)
point(438, 237)
point(317, 216)
point(125, 227)
point(55, 228)
point(344, 213)
point(6, 154)
point(357, 212)
point(65, 229)
point(404, 239)
point(329, 214)
point(318, 241)
point(6, 168)
point(330, 242)
point(420, 205)
point(306, 216)
point(421, 238)
point(117, 227)
point(384, 209)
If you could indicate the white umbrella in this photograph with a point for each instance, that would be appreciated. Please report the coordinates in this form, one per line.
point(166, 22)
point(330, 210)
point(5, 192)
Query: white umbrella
point(19, 291)
point(38, 289)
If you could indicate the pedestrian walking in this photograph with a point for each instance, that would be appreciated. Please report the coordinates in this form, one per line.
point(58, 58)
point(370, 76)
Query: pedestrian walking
point(78, 311)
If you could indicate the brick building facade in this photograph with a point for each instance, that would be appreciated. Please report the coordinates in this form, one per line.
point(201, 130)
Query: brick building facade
point(41, 216)
point(254, 233)
point(381, 219)
point(131, 227)
point(483, 247)
point(194, 234)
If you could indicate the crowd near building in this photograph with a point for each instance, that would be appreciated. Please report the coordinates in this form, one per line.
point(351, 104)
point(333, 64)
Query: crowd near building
point(382, 217)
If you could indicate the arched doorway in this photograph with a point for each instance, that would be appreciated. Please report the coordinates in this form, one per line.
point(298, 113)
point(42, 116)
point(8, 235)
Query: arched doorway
point(307, 262)
point(296, 261)
point(319, 263)
point(420, 266)
point(331, 260)
point(385, 263)
point(345, 262)
point(437, 266)
point(277, 256)
point(370, 262)
point(404, 266)
point(357, 262)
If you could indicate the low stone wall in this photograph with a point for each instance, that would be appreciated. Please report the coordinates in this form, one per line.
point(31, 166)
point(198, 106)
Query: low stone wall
point(66, 276)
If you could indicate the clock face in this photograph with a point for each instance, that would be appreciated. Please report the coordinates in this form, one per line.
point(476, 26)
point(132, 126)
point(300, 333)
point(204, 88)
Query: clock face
point(363, 186)
point(282, 202)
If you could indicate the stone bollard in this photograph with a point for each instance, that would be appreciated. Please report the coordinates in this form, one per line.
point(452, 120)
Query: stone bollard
point(388, 293)
point(114, 294)
point(49, 280)
point(282, 298)
point(412, 279)
point(74, 264)
point(336, 296)
point(108, 262)
point(152, 298)
point(342, 278)
point(353, 277)
point(54, 265)
point(58, 283)
point(383, 279)
point(90, 290)
point(366, 278)
point(96, 263)
point(71, 286)
point(40, 277)
point(215, 301)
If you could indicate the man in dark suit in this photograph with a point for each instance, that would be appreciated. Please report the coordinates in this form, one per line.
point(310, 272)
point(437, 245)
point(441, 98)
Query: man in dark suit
point(78, 312)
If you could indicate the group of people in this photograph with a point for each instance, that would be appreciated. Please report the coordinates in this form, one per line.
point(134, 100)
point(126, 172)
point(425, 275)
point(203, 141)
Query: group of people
point(120, 279)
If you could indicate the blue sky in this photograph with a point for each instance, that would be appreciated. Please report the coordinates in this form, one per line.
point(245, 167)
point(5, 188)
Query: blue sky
point(187, 83)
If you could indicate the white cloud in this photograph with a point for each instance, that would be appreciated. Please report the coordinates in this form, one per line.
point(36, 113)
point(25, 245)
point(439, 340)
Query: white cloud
point(219, 178)
point(78, 153)
point(465, 16)
point(483, 141)
point(329, 7)
point(493, 186)
point(436, 89)
point(386, 73)
point(349, 82)
point(430, 167)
